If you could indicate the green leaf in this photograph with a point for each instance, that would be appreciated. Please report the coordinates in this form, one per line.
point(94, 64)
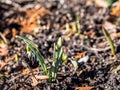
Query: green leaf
point(57, 57)
point(59, 60)
point(34, 49)
point(59, 43)
point(55, 64)
point(109, 41)
point(54, 53)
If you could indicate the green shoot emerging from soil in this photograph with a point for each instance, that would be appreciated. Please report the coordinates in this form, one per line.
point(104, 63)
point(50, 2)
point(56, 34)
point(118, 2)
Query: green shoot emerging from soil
point(109, 41)
point(57, 57)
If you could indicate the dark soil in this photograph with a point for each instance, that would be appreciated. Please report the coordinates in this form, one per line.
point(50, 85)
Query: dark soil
point(101, 71)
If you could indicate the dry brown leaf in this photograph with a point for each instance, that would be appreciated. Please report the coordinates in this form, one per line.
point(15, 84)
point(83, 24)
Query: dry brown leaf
point(90, 34)
point(84, 88)
point(27, 71)
point(30, 28)
point(34, 81)
point(116, 10)
point(80, 55)
point(35, 12)
point(31, 23)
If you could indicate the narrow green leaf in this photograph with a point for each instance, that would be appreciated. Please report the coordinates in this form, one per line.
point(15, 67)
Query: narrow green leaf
point(54, 52)
point(55, 66)
point(59, 43)
point(34, 49)
point(28, 41)
point(59, 60)
point(109, 41)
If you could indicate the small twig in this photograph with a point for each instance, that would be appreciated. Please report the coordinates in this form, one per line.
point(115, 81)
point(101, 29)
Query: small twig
point(95, 49)
point(110, 41)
